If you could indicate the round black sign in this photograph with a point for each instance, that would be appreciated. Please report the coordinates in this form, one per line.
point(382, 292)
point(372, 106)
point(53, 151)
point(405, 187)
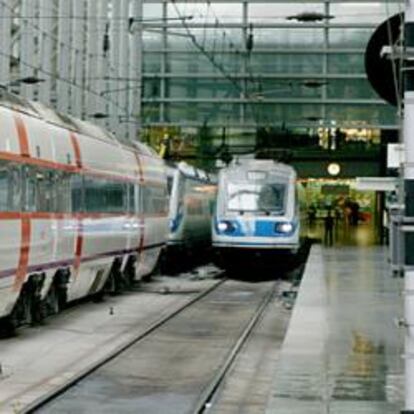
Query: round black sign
point(380, 69)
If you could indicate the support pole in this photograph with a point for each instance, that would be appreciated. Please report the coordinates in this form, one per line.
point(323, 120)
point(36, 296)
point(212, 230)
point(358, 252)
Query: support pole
point(27, 47)
point(77, 57)
point(46, 51)
point(5, 41)
point(64, 51)
point(408, 131)
point(136, 70)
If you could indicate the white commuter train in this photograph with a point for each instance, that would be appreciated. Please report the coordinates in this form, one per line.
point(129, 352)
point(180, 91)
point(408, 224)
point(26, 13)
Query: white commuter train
point(192, 198)
point(257, 211)
point(78, 210)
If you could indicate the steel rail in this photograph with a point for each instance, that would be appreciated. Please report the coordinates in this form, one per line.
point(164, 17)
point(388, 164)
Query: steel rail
point(210, 391)
point(52, 395)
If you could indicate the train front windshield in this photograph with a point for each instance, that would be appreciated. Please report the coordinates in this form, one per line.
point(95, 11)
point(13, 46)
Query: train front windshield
point(257, 198)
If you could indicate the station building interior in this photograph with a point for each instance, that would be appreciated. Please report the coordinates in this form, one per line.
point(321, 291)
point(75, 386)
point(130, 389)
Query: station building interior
point(254, 77)
point(209, 82)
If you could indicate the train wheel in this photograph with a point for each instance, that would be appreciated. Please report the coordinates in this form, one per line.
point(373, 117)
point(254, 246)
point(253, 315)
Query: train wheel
point(129, 272)
point(110, 284)
point(116, 282)
point(51, 302)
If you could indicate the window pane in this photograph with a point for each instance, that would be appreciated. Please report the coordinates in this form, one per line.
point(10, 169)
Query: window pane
point(288, 38)
point(45, 191)
point(281, 63)
point(15, 188)
point(154, 200)
point(207, 12)
point(31, 189)
point(372, 12)
point(131, 198)
point(350, 89)
point(76, 182)
point(343, 38)
point(346, 63)
point(4, 188)
point(102, 196)
point(63, 192)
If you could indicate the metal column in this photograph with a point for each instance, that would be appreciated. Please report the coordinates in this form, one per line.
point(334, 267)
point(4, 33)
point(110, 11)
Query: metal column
point(135, 73)
point(164, 59)
point(27, 46)
point(5, 41)
point(92, 49)
point(114, 64)
point(409, 208)
point(99, 61)
point(77, 59)
point(46, 50)
point(64, 50)
point(123, 63)
point(245, 93)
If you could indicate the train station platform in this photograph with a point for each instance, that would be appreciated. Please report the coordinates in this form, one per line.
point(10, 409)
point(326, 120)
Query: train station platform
point(342, 352)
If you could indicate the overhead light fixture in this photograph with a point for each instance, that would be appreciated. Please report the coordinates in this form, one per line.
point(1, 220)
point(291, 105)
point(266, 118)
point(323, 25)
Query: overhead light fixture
point(313, 118)
point(28, 80)
point(310, 17)
point(314, 83)
point(99, 115)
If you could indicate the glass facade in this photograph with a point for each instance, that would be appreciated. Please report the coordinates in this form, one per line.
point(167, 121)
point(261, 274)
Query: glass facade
point(198, 69)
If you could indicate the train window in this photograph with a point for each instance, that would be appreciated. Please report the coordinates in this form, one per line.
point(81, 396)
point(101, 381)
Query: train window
point(4, 188)
point(15, 188)
point(40, 194)
point(76, 182)
point(62, 188)
point(30, 199)
point(131, 198)
point(10, 187)
point(105, 196)
point(45, 191)
point(154, 200)
point(256, 197)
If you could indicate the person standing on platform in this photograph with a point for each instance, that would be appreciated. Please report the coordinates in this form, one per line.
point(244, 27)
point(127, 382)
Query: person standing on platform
point(329, 225)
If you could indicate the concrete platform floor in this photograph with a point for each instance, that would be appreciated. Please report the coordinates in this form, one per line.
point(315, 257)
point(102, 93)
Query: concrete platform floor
point(40, 359)
point(342, 351)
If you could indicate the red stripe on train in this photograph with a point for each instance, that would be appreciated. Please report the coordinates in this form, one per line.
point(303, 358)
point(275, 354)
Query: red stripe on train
point(78, 249)
point(76, 149)
point(22, 135)
point(24, 254)
point(16, 215)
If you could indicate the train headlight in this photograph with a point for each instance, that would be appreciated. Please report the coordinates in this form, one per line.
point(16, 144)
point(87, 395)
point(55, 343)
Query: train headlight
point(225, 226)
point(284, 228)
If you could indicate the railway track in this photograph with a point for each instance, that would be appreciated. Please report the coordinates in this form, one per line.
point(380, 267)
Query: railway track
point(177, 365)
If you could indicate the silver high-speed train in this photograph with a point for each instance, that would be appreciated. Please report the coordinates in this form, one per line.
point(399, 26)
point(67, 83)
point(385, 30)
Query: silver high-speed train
point(192, 199)
point(258, 211)
point(78, 210)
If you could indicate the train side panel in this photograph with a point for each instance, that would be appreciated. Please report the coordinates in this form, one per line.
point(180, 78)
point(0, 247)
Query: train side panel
point(72, 211)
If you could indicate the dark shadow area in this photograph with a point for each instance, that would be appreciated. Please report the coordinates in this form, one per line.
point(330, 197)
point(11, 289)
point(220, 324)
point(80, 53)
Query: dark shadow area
point(255, 267)
point(179, 260)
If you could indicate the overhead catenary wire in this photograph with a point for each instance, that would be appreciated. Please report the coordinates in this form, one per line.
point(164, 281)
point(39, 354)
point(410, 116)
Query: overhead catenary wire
point(219, 65)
